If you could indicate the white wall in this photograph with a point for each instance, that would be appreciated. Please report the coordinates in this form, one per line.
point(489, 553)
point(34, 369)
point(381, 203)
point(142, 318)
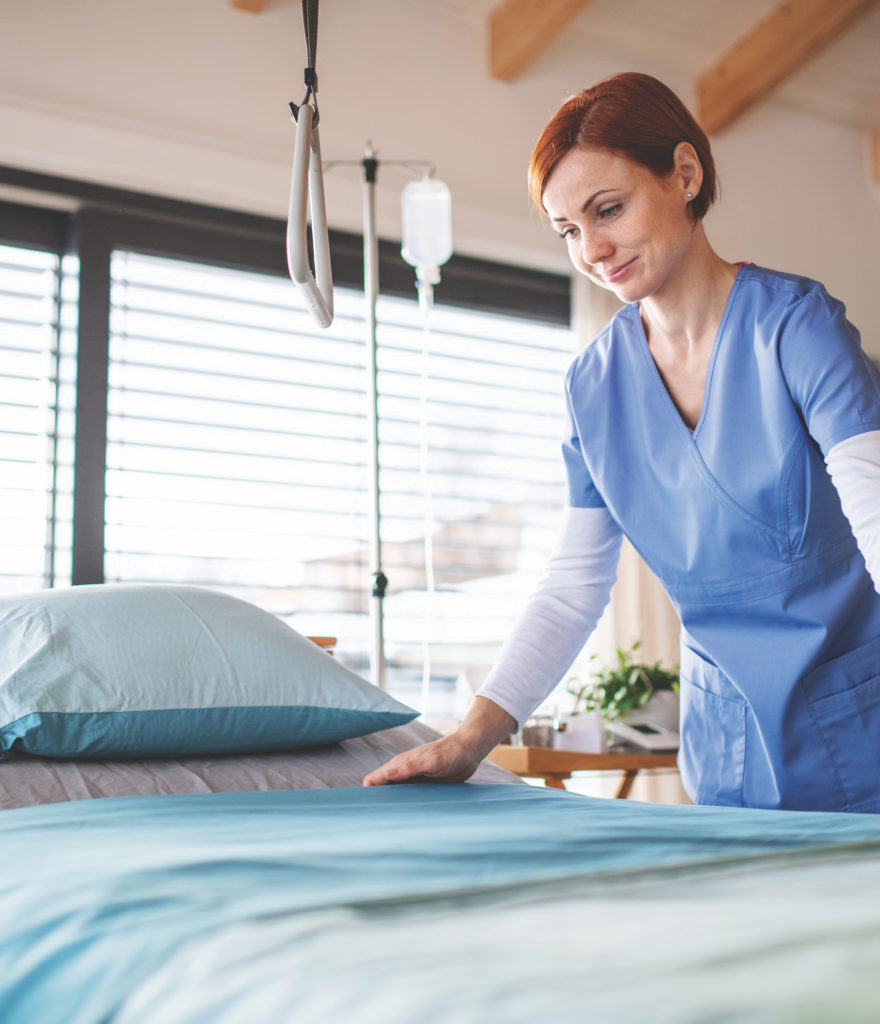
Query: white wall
point(189, 98)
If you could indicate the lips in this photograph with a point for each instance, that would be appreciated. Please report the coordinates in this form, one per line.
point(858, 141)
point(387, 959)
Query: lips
point(616, 273)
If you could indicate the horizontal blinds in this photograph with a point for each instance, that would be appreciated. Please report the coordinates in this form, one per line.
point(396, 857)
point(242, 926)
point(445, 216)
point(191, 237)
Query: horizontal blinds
point(37, 371)
point(235, 433)
point(237, 456)
point(470, 425)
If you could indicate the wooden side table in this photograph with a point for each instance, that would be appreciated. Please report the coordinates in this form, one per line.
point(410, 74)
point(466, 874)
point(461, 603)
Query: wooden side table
point(554, 766)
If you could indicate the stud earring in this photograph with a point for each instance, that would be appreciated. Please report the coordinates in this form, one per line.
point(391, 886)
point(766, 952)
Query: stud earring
point(690, 195)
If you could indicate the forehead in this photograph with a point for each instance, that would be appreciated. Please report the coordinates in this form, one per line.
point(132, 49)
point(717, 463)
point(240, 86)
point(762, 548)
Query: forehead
point(584, 171)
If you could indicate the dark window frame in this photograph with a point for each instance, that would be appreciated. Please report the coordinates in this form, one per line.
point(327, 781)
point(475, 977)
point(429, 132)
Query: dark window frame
point(103, 219)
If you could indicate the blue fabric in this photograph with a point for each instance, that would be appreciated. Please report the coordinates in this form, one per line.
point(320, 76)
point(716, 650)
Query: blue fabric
point(780, 657)
point(176, 732)
point(133, 671)
point(99, 897)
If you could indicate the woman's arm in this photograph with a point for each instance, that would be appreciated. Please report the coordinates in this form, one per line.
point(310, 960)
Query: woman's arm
point(546, 639)
point(561, 614)
point(854, 465)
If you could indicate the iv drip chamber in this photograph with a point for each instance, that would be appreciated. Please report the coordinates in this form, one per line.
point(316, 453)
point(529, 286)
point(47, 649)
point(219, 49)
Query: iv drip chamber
point(426, 215)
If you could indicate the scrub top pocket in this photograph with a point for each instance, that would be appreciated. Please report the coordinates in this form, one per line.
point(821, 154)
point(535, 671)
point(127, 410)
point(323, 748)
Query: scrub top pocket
point(713, 735)
point(844, 700)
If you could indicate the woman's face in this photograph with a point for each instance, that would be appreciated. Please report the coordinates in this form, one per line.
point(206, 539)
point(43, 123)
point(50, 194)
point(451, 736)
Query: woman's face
point(624, 227)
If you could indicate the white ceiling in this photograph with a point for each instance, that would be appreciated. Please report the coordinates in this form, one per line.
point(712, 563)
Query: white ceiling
point(190, 100)
point(841, 83)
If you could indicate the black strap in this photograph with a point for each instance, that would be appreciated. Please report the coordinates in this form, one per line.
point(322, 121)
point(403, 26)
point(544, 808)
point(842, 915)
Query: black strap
point(310, 27)
point(310, 74)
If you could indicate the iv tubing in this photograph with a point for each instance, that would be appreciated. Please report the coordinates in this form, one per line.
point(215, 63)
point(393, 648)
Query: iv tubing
point(307, 193)
point(426, 298)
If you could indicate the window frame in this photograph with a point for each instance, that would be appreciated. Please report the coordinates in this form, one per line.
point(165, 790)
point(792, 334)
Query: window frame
point(42, 230)
point(90, 221)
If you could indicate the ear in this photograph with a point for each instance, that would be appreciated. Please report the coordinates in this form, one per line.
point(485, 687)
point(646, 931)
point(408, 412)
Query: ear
point(687, 170)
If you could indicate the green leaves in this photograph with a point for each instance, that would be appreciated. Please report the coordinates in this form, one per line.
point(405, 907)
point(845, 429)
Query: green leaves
point(626, 685)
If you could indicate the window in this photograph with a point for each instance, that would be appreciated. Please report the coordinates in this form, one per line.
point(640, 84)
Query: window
point(236, 436)
point(470, 420)
point(169, 412)
point(37, 369)
point(237, 458)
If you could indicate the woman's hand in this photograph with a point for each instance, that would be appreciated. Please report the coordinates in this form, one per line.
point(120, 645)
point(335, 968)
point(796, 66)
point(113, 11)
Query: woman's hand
point(446, 760)
point(453, 758)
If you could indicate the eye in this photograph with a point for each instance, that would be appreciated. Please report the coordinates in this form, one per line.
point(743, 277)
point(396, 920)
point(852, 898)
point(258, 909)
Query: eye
point(568, 233)
point(609, 212)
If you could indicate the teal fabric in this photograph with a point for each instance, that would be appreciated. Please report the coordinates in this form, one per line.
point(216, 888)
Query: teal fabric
point(131, 671)
point(435, 904)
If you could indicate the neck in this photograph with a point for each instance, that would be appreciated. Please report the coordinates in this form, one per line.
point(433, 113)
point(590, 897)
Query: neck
point(687, 310)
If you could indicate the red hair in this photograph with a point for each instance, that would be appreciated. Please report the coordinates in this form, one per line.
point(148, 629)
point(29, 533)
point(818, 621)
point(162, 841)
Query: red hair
point(633, 115)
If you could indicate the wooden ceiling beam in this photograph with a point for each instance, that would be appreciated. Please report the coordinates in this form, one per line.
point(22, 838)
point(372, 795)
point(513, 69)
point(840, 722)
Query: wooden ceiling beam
point(772, 52)
point(254, 6)
point(520, 29)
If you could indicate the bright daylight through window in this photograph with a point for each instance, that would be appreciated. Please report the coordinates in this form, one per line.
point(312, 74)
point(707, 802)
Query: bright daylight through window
point(37, 371)
point(236, 458)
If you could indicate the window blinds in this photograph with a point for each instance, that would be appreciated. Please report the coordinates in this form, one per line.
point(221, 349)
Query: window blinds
point(37, 371)
point(237, 456)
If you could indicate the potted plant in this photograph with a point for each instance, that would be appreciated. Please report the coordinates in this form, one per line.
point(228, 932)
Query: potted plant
point(624, 690)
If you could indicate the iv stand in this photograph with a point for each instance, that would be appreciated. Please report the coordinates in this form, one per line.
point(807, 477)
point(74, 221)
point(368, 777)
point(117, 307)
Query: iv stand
point(371, 291)
point(370, 166)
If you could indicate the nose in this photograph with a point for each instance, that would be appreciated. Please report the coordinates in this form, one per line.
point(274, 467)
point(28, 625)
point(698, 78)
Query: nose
point(594, 248)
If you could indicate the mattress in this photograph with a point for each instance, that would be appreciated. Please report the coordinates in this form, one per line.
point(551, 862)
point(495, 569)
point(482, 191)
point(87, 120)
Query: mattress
point(27, 781)
point(434, 904)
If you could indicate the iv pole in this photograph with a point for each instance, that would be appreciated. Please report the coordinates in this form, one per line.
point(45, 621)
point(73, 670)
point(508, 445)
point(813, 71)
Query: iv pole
point(370, 165)
point(371, 291)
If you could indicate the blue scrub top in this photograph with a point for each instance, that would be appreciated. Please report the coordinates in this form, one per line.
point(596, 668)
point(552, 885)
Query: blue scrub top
point(780, 643)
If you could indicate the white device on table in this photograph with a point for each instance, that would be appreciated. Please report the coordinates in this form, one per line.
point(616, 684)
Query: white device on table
point(646, 734)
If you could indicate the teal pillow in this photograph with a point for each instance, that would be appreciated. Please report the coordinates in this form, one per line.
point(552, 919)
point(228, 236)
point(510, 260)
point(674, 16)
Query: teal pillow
point(137, 671)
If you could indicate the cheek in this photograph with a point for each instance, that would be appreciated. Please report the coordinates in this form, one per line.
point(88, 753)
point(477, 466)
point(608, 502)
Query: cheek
point(575, 256)
point(581, 266)
point(674, 229)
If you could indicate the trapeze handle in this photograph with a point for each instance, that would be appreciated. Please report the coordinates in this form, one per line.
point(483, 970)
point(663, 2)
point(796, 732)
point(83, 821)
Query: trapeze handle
point(307, 194)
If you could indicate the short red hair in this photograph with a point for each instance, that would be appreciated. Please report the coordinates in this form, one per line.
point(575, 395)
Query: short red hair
point(633, 115)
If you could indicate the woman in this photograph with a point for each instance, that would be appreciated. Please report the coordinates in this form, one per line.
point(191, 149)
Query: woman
point(727, 422)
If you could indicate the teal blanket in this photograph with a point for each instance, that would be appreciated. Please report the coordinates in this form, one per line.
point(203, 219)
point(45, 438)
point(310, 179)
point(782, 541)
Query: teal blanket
point(469, 903)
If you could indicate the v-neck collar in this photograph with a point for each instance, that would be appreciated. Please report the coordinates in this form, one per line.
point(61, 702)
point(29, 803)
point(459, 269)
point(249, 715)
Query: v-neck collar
point(710, 369)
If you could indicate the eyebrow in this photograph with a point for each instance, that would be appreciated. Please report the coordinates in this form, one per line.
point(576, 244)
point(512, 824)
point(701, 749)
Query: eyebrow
point(588, 203)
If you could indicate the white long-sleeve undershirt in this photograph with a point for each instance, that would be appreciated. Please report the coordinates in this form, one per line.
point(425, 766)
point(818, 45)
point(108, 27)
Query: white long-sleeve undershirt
point(560, 615)
point(854, 466)
point(576, 586)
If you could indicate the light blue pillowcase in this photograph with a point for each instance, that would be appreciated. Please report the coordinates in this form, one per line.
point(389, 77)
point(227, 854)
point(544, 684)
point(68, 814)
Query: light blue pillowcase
point(154, 670)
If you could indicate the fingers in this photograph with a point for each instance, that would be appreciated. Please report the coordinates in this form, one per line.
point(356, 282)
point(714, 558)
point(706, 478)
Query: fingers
point(402, 768)
point(385, 774)
point(422, 764)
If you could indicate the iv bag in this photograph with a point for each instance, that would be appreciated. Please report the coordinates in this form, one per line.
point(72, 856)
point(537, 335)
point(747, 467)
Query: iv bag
point(426, 213)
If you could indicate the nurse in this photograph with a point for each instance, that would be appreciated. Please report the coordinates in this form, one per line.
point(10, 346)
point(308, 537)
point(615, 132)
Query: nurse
point(727, 422)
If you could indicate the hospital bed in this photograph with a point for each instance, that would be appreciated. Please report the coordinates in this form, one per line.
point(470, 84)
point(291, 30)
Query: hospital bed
point(218, 891)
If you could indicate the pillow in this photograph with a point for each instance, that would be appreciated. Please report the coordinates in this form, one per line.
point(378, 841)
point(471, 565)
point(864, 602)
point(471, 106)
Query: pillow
point(132, 671)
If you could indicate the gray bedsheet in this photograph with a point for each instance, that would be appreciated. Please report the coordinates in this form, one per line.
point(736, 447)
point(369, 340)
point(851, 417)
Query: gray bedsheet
point(27, 781)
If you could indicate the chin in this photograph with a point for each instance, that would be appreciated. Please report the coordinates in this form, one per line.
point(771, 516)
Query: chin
point(600, 282)
point(627, 292)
